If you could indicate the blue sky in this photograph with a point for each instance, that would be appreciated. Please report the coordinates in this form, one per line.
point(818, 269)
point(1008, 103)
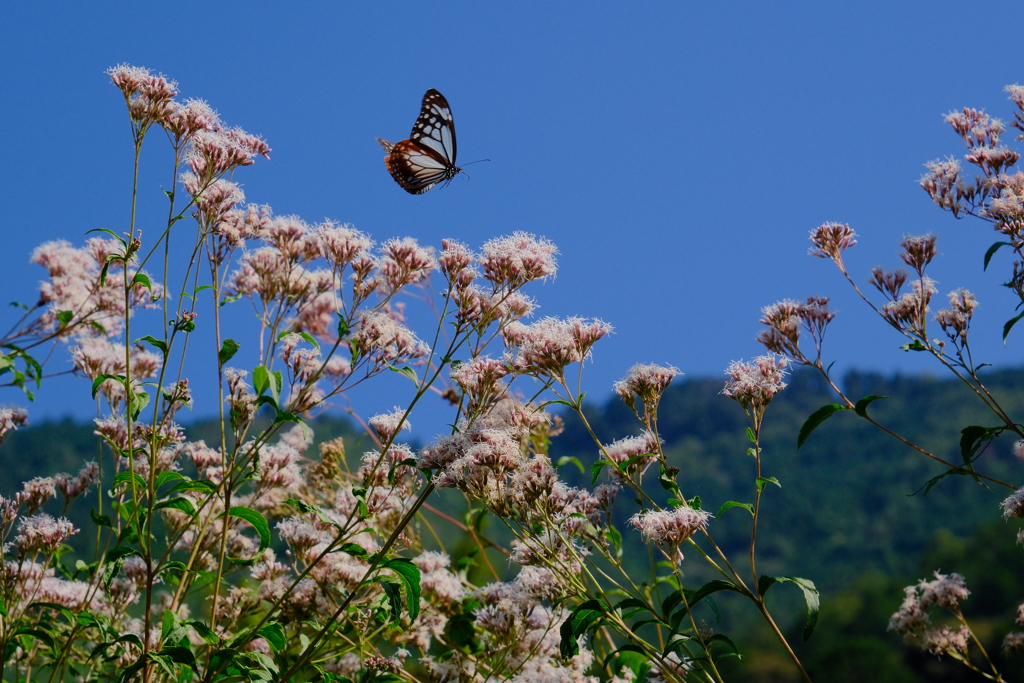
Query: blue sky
point(677, 153)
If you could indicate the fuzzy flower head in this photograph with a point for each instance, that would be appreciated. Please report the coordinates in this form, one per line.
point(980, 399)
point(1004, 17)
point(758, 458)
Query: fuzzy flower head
point(830, 240)
point(546, 347)
point(956, 320)
point(150, 98)
point(669, 529)
point(944, 185)
point(510, 262)
point(753, 384)
point(648, 381)
point(388, 424)
point(12, 419)
point(42, 533)
point(1014, 505)
point(918, 251)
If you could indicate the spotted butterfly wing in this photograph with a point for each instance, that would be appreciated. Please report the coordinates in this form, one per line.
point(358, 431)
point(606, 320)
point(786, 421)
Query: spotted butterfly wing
point(428, 156)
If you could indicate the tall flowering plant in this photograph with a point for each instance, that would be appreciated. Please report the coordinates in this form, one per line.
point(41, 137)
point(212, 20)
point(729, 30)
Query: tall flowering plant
point(994, 194)
point(253, 558)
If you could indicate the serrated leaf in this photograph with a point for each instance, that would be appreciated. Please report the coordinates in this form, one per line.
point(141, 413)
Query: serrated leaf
point(811, 597)
point(409, 573)
point(579, 622)
point(861, 408)
point(816, 418)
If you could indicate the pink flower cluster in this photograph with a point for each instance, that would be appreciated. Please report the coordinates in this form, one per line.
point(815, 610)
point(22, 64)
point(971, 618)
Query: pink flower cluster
point(669, 529)
point(753, 384)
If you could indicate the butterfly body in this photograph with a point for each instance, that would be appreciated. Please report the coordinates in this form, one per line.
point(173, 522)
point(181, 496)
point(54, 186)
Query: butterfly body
point(428, 156)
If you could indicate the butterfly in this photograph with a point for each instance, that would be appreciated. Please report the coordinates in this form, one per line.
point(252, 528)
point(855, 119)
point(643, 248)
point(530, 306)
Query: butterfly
point(428, 156)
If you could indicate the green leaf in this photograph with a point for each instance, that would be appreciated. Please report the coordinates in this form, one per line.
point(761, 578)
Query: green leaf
point(566, 459)
point(179, 503)
point(916, 345)
point(111, 233)
point(409, 574)
point(103, 378)
point(1009, 325)
point(861, 408)
point(806, 586)
point(180, 655)
point(342, 326)
point(227, 351)
point(260, 379)
point(230, 299)
point(128, 476)
point(114, 559)
point(276, 382)
point(393, 593)
point(586, 616)
point(407, 371)
point(460, 630)
point(64, 318)
point(65, 612)
point(204, 631)
point(733, 504)
point(167, 476)
point(764, 481)
point(596, 468)
point(273, 632)
point(142, 279)
point(98, 519)
point(257, 520)
point(816, 418)
point(972, 438)
point(309, 338)
point(200, 485)
point(40, 635)
point(992, 252)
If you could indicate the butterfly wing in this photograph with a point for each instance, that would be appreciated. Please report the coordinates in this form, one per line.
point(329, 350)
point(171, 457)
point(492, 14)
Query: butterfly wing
point(435, 127)
point(428, 156)
point(415, 167)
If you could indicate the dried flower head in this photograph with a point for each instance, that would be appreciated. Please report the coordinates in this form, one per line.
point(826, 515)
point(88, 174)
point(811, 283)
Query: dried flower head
point(830, 240)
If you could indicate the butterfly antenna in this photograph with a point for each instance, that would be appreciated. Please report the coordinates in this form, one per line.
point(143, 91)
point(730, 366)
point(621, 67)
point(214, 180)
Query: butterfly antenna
point(475, 162)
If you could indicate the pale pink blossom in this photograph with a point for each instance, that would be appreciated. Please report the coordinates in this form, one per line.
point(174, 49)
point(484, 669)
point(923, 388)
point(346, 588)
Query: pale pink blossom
point(513, 261)
point(549, 345)
point(185, 120)
point(384, 340)
point(753, 384)
point(1014, 505)
point(388, 424)
point(342, 244)
point(12, 419)
point(644, 448)
point(830, 240)
point(42, 533)
point(944, 184)
point(669, 529)
point(918, 251)
point(648, 381)
point(943, 640)
point(35, 493)
point(404, 262)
